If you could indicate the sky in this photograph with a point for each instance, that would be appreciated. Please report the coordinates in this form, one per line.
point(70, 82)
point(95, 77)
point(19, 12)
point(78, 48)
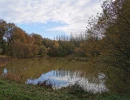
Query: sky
point(50, 18)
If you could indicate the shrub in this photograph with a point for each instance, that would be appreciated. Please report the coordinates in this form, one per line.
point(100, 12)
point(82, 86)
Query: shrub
point(42, 50)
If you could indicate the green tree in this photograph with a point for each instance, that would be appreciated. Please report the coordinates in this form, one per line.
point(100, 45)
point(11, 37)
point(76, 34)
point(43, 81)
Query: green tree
point(3, 47)
point(42, 50)
point(114, 26)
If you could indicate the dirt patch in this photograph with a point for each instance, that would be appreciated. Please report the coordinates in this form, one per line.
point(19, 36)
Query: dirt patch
point(4, 60)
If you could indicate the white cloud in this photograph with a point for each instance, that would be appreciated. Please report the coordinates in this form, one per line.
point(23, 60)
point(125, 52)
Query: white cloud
point(74, 13)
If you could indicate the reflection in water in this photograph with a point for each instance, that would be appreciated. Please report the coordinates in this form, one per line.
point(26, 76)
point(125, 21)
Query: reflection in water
point(62, 72)
point(59, 71)
point(5, 71)
point(61, 78)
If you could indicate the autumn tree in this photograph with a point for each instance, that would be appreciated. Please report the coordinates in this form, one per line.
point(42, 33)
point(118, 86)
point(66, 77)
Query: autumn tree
point(37, 39)
point(113, 25)
point(5, 29)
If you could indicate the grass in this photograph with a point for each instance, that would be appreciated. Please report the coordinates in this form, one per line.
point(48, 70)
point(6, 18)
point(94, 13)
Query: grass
point(10, 90)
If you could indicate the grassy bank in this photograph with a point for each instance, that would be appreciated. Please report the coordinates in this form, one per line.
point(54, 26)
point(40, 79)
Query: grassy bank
point(10, 90)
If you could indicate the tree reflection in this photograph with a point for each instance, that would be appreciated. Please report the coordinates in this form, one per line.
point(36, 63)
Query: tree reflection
point(64, 78)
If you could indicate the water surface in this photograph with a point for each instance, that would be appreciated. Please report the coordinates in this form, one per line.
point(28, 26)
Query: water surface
point(60, 72)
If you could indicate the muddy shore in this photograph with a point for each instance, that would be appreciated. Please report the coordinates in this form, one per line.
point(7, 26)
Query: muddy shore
point(4, 60)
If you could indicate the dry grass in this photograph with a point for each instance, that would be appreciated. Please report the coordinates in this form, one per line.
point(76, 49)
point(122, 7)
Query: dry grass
point(13, 77)
point(3, 64)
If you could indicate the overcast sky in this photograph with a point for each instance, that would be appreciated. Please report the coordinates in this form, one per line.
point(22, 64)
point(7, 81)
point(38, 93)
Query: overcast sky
point(50, 17)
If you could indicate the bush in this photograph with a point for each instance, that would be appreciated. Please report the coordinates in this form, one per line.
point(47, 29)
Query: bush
point(42, 50)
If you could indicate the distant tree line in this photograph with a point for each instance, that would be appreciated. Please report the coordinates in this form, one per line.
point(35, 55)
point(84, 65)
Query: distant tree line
point(17, 43)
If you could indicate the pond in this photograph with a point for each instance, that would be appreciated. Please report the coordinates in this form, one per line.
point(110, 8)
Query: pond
point(60, 72)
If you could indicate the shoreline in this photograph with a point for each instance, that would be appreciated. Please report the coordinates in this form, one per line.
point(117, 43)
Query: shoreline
point(4, 60)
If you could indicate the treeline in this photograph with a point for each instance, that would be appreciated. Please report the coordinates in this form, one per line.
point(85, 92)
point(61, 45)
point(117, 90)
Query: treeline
point(17, 43)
